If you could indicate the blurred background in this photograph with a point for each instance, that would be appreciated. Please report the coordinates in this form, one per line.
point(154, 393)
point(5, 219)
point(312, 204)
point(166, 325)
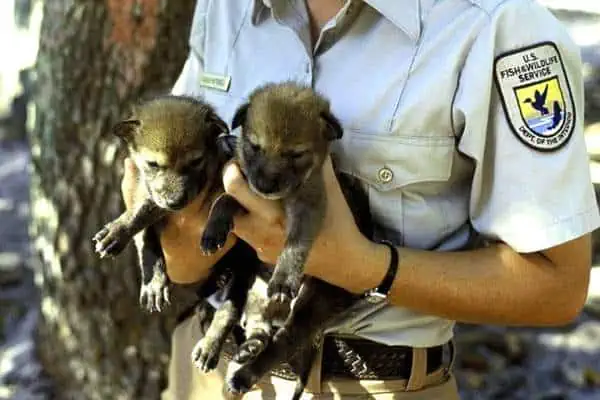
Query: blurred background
point(63, 80)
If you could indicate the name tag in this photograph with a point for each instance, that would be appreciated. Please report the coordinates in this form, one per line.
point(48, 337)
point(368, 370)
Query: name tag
point(214, 81)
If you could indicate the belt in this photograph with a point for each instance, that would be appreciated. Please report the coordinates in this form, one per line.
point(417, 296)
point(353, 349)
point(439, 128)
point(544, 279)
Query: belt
point(356, 358)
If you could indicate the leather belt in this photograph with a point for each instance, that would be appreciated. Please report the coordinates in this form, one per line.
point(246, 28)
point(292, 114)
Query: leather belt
point(356, 358)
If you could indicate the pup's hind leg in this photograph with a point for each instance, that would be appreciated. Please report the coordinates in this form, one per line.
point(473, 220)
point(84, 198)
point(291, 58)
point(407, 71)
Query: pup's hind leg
point(296, 336)
point(301, 365)
point(206, 352)
point(257, 325)
point(154, 291)
point(317, 303)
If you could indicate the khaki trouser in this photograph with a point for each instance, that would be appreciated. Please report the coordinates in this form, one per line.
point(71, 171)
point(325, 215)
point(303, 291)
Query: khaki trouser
point(187, 383)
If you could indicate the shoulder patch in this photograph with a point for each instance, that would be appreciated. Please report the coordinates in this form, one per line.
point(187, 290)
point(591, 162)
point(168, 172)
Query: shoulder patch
point(536, 95)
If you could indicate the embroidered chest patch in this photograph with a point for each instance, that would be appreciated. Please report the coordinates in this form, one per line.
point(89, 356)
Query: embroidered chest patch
point(536, 95)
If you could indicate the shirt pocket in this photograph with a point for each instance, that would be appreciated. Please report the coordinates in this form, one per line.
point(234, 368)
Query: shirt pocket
point(405, 178)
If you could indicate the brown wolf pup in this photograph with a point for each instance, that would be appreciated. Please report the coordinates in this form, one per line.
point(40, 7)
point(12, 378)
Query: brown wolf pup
point(286, 131)
point(180, 146)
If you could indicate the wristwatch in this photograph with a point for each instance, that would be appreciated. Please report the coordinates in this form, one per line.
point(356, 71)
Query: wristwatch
point(379, 294)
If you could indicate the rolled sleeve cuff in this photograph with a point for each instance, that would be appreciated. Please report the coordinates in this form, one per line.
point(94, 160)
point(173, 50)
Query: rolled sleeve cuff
point(549, 235)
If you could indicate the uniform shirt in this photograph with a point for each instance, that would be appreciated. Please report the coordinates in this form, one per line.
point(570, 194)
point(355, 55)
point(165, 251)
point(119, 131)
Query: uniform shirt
point(459, 116)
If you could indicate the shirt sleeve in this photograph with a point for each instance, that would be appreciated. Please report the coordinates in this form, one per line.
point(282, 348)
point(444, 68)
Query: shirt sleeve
point(188, 81)
point(518, 113)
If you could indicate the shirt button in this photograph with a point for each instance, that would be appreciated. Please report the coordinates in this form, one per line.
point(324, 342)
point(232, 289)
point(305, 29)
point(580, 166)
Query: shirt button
point(385, 175)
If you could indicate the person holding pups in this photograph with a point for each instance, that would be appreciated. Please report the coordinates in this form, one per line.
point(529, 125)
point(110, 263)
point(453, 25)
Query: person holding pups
point(487, 198)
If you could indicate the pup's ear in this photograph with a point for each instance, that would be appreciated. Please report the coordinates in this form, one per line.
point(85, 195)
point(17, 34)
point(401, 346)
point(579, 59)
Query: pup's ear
point(334, 128)
point(240, 116)
point(218, 123)
point(226, 144)
point(125, 129)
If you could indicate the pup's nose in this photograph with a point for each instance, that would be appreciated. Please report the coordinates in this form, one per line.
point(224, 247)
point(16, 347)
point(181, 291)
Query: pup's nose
point(176, 204)
point(268, 187)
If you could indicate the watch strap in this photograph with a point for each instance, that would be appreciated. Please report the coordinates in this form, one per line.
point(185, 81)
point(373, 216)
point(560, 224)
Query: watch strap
point(381, 291)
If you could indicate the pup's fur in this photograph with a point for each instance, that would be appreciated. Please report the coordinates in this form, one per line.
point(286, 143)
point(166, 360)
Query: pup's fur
point(177, 144)
point(286, 131)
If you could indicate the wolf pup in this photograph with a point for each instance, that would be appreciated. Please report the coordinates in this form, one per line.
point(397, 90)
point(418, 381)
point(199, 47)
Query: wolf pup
point(284, 141)
point(180, 147)
point(173, 142)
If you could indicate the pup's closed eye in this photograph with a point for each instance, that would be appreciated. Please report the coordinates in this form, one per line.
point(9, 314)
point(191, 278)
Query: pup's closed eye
point(254, 147)
point(152, 164)
point(195, 162)
point(295, 154)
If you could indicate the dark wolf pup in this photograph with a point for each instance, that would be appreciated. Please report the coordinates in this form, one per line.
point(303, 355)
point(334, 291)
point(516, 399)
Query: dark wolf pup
point(285, 137)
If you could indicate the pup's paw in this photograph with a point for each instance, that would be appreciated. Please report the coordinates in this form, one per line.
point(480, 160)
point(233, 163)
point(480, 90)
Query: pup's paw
point(239, 378)
point(250, 349)
point(214, 237)
point(111, 240)
point(205, 355)
point(155, 295)
point(281, 291)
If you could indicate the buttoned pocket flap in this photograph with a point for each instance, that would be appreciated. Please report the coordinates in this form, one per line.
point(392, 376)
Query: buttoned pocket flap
point(392, 162)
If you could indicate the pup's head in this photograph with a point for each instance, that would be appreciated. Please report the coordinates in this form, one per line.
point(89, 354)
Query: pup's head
point(173, 142)
point(286, 130)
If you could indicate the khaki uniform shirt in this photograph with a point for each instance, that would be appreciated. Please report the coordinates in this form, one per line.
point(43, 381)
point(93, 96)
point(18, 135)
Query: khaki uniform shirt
point(460, 116)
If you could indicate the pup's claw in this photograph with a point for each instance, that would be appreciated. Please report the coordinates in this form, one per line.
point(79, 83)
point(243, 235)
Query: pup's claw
point(241, 381)
point(249, 350)
point(214, 237)
point(205, 355)
point(111, 240)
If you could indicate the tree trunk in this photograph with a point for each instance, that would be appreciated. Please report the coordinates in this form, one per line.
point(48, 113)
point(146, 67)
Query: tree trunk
point(95, 58)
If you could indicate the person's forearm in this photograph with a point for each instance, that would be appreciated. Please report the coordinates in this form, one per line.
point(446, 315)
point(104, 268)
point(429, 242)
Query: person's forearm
point(494, 285)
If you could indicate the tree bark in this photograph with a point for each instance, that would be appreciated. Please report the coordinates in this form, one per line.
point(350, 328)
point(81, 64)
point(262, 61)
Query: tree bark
point(95, 59)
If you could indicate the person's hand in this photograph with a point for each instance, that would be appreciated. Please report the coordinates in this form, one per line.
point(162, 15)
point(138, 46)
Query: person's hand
point(131, 191)
point(180, 238)
point(264, 225)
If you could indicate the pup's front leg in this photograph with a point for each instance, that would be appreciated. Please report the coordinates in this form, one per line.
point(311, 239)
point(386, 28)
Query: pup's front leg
point(304, 220)
point(112, 239)
point(220, 223)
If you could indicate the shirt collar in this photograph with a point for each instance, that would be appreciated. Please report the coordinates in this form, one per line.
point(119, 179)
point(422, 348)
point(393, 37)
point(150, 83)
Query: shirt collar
point(405, 14)
point(406, 17)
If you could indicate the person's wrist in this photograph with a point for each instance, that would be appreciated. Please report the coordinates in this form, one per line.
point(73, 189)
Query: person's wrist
point(381, 291)
point(375, 265)
point(357, 267)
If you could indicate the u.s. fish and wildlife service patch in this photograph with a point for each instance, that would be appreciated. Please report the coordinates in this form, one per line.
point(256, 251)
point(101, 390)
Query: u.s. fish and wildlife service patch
point(536, 95)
